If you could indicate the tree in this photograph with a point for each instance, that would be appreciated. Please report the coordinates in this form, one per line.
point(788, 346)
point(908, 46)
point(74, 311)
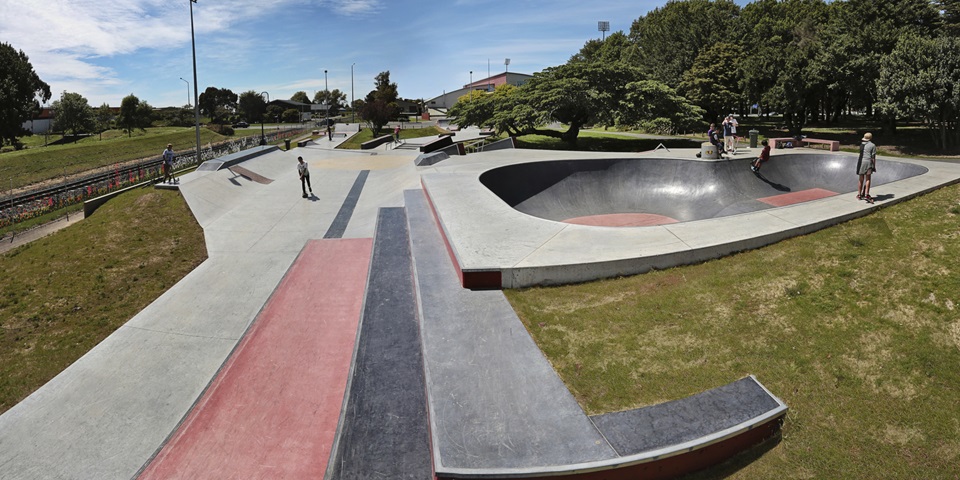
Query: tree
point(615, 48)
point(336, 99)
point(671, 37)
point(72, 114)
point(251, 106)
point(129, 118)
point(274, 112)
point(656, 108)
point(21, 89)
point(301, 97)
point(218, 104)
point(380, 105)
point(921, 79)
point(474, 108)
point(712, 83)
point(290, 115)
point(102, 116)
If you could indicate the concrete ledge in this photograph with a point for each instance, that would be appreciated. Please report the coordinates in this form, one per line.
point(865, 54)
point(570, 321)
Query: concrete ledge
point(376, 142)
point(90, 206)
point(434, 145)
point(235, 158)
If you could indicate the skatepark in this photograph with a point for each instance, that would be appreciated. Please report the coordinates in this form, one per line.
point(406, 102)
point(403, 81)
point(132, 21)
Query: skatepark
point(361, 331)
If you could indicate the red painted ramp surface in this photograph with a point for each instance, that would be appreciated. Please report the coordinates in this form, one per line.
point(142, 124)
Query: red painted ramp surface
point(797, 197)
point(273, 410)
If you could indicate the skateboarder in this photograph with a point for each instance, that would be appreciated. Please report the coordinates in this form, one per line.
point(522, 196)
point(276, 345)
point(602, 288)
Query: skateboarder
point(764, 157)
point(304, 176)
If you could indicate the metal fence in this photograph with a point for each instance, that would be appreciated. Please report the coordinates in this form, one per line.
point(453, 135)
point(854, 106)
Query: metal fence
point(18, 208)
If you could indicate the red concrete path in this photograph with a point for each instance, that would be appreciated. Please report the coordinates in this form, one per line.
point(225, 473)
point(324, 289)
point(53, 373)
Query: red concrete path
point(622, 220)
point(797, 197)
point(273, 410)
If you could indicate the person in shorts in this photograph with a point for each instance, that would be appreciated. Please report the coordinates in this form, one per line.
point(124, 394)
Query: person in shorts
point(866, 165)
point(304, 176)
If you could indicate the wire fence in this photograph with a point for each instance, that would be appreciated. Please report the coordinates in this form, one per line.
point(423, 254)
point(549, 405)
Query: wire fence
point(18, 208)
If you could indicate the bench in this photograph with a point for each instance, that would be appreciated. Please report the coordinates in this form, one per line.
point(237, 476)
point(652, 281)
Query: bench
point(302, 141)
point(775, 143)
point(486, 132)
point(376, 142)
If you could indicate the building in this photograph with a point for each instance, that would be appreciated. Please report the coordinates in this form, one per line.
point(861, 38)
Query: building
point(41, 123)
point(488, 84)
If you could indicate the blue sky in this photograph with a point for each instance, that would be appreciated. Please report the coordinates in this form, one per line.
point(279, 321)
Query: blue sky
point(107, 49)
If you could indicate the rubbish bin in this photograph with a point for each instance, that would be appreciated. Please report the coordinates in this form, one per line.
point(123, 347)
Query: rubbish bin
point(753, 138)
point(286, 141)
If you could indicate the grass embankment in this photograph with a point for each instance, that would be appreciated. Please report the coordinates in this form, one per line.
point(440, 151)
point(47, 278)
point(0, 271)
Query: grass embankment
point(366, 134)
point(602, 142)
point(65, 293)
point(32, 165)
point(856, 328)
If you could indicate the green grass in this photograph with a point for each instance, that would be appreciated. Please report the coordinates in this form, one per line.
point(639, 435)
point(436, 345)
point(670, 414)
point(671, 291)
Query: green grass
point(65, 293)
point(365, 134)
point(855, 327)
point(26, 167)
point(75, 209)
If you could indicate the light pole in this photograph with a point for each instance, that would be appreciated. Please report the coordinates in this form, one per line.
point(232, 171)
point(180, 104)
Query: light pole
point(353, 111)
point(471, 77)
point(188, 90)
point(263, 139)
point(196, 101)
point(326, 100)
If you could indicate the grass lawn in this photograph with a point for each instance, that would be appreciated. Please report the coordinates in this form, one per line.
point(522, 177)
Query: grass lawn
point(365, 134)
point(602, 142)
point(32, 165)
point(65, 293)
point(856, 328)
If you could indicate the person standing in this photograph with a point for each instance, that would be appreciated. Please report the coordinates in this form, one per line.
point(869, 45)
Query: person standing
point(730, 133)
point(764, 156)
point(304, 177)
point(168, 164)
point(866, 165)
point(396, 134)
point(329, 132)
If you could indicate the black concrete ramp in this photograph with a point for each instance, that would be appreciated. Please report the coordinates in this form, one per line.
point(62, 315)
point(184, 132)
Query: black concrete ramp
point(383, 431)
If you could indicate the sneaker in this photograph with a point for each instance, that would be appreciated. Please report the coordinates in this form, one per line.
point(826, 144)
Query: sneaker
point(304, 195)
point(868, 198)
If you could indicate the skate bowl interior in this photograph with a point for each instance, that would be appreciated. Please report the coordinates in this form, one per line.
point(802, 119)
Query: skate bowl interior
point(640, 192)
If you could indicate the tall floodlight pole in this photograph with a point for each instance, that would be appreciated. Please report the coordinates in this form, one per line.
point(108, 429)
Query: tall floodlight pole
point(196, 96)
point(263, 138)
point(353, 111)
point(471, 77)
point(188, 90)
point(603, 27)
point(506, 65)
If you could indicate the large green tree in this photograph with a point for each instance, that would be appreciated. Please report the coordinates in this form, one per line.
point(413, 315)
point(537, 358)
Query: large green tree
point(20, 94)
point(301, 97)
point(134, 114)
point(72, 114)
point(669, 38)
point(218, 104)
point(380, 105)
point(921, 79)
point(103, 116)
point(712, 83)
point(335, 99)
point(654, 107)
point(251, 106)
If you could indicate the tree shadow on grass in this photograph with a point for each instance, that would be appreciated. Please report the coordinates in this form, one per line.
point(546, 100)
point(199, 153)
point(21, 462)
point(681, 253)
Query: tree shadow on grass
point(738, 462)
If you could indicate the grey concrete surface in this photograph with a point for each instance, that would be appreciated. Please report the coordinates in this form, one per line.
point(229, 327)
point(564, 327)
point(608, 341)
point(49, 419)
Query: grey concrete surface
point(105, 415)
point(487, 234)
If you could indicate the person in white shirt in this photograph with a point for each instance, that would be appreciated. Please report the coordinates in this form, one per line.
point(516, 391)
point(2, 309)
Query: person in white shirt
point(730, 133)
point(304, 176)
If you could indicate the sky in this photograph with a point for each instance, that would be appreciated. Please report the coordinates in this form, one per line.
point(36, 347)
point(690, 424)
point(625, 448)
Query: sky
point(108, 49)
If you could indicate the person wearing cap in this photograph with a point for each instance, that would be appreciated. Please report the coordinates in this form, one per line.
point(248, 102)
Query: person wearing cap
point(866, 165)
point(304, 176)
point(168, 164)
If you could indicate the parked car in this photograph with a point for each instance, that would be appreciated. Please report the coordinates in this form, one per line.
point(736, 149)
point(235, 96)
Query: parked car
point(241, 124)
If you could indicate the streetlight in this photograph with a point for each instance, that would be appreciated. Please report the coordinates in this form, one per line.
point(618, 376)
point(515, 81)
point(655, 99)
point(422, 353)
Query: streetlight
point(326, 100)
point(471, 77)
point(188, 90)
point(353, 111)
point(263, 139)
point(196, 101)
